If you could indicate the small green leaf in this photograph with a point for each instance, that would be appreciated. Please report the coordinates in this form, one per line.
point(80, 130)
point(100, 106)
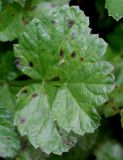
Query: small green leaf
point(9, 140)
point(60, 53)
point(114, 55)
point(115, 8)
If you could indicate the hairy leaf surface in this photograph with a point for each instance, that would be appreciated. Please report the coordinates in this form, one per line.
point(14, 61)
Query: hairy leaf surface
point(71, 80)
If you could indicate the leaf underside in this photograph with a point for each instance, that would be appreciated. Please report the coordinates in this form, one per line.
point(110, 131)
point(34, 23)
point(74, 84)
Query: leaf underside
point(71, 80)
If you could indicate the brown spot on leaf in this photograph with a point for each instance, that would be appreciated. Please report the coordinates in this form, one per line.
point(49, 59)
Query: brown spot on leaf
point(67, 142)
point(70, 23)
point(34, 95)
point(53, 5)
point(22, 120)
point(73, 35)
point(116, 86)
point(73, 55)
point(61, 53)
point(24, 91)
point(25, 21)
point(81, 58)
point(106, 103)
point(53, 22)
point(17, 62)
point(31, 64)
point(54, 79)
point(114, 108)
point(111, 101)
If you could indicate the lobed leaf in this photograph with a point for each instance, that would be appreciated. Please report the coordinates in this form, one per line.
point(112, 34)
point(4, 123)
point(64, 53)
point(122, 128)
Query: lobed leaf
point(71, 80)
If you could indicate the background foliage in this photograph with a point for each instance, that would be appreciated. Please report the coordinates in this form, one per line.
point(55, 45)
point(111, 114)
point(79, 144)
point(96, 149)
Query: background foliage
point(106, 143)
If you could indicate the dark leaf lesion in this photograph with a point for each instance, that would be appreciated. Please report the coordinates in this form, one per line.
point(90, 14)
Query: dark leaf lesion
point(31, 64)
point(70, 23)
point(73, 54)
point(18, 63)
point(25, 20)
point(22, 120)
point(61, 53)
point(24, 91)
point(53, 22)
point(34, 95)
point(81, 59)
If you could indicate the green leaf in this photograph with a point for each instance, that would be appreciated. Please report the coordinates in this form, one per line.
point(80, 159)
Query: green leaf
point(8, 97)
point(61, 55)
point(9, 100)
point(14, 17)
point(9, 140)
point(115, 8)
point(114, 105)
point(12, 22)
point(38, 122)
point(114, 55)
point(44, 6)
point(8, 71)
point(109, 150)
